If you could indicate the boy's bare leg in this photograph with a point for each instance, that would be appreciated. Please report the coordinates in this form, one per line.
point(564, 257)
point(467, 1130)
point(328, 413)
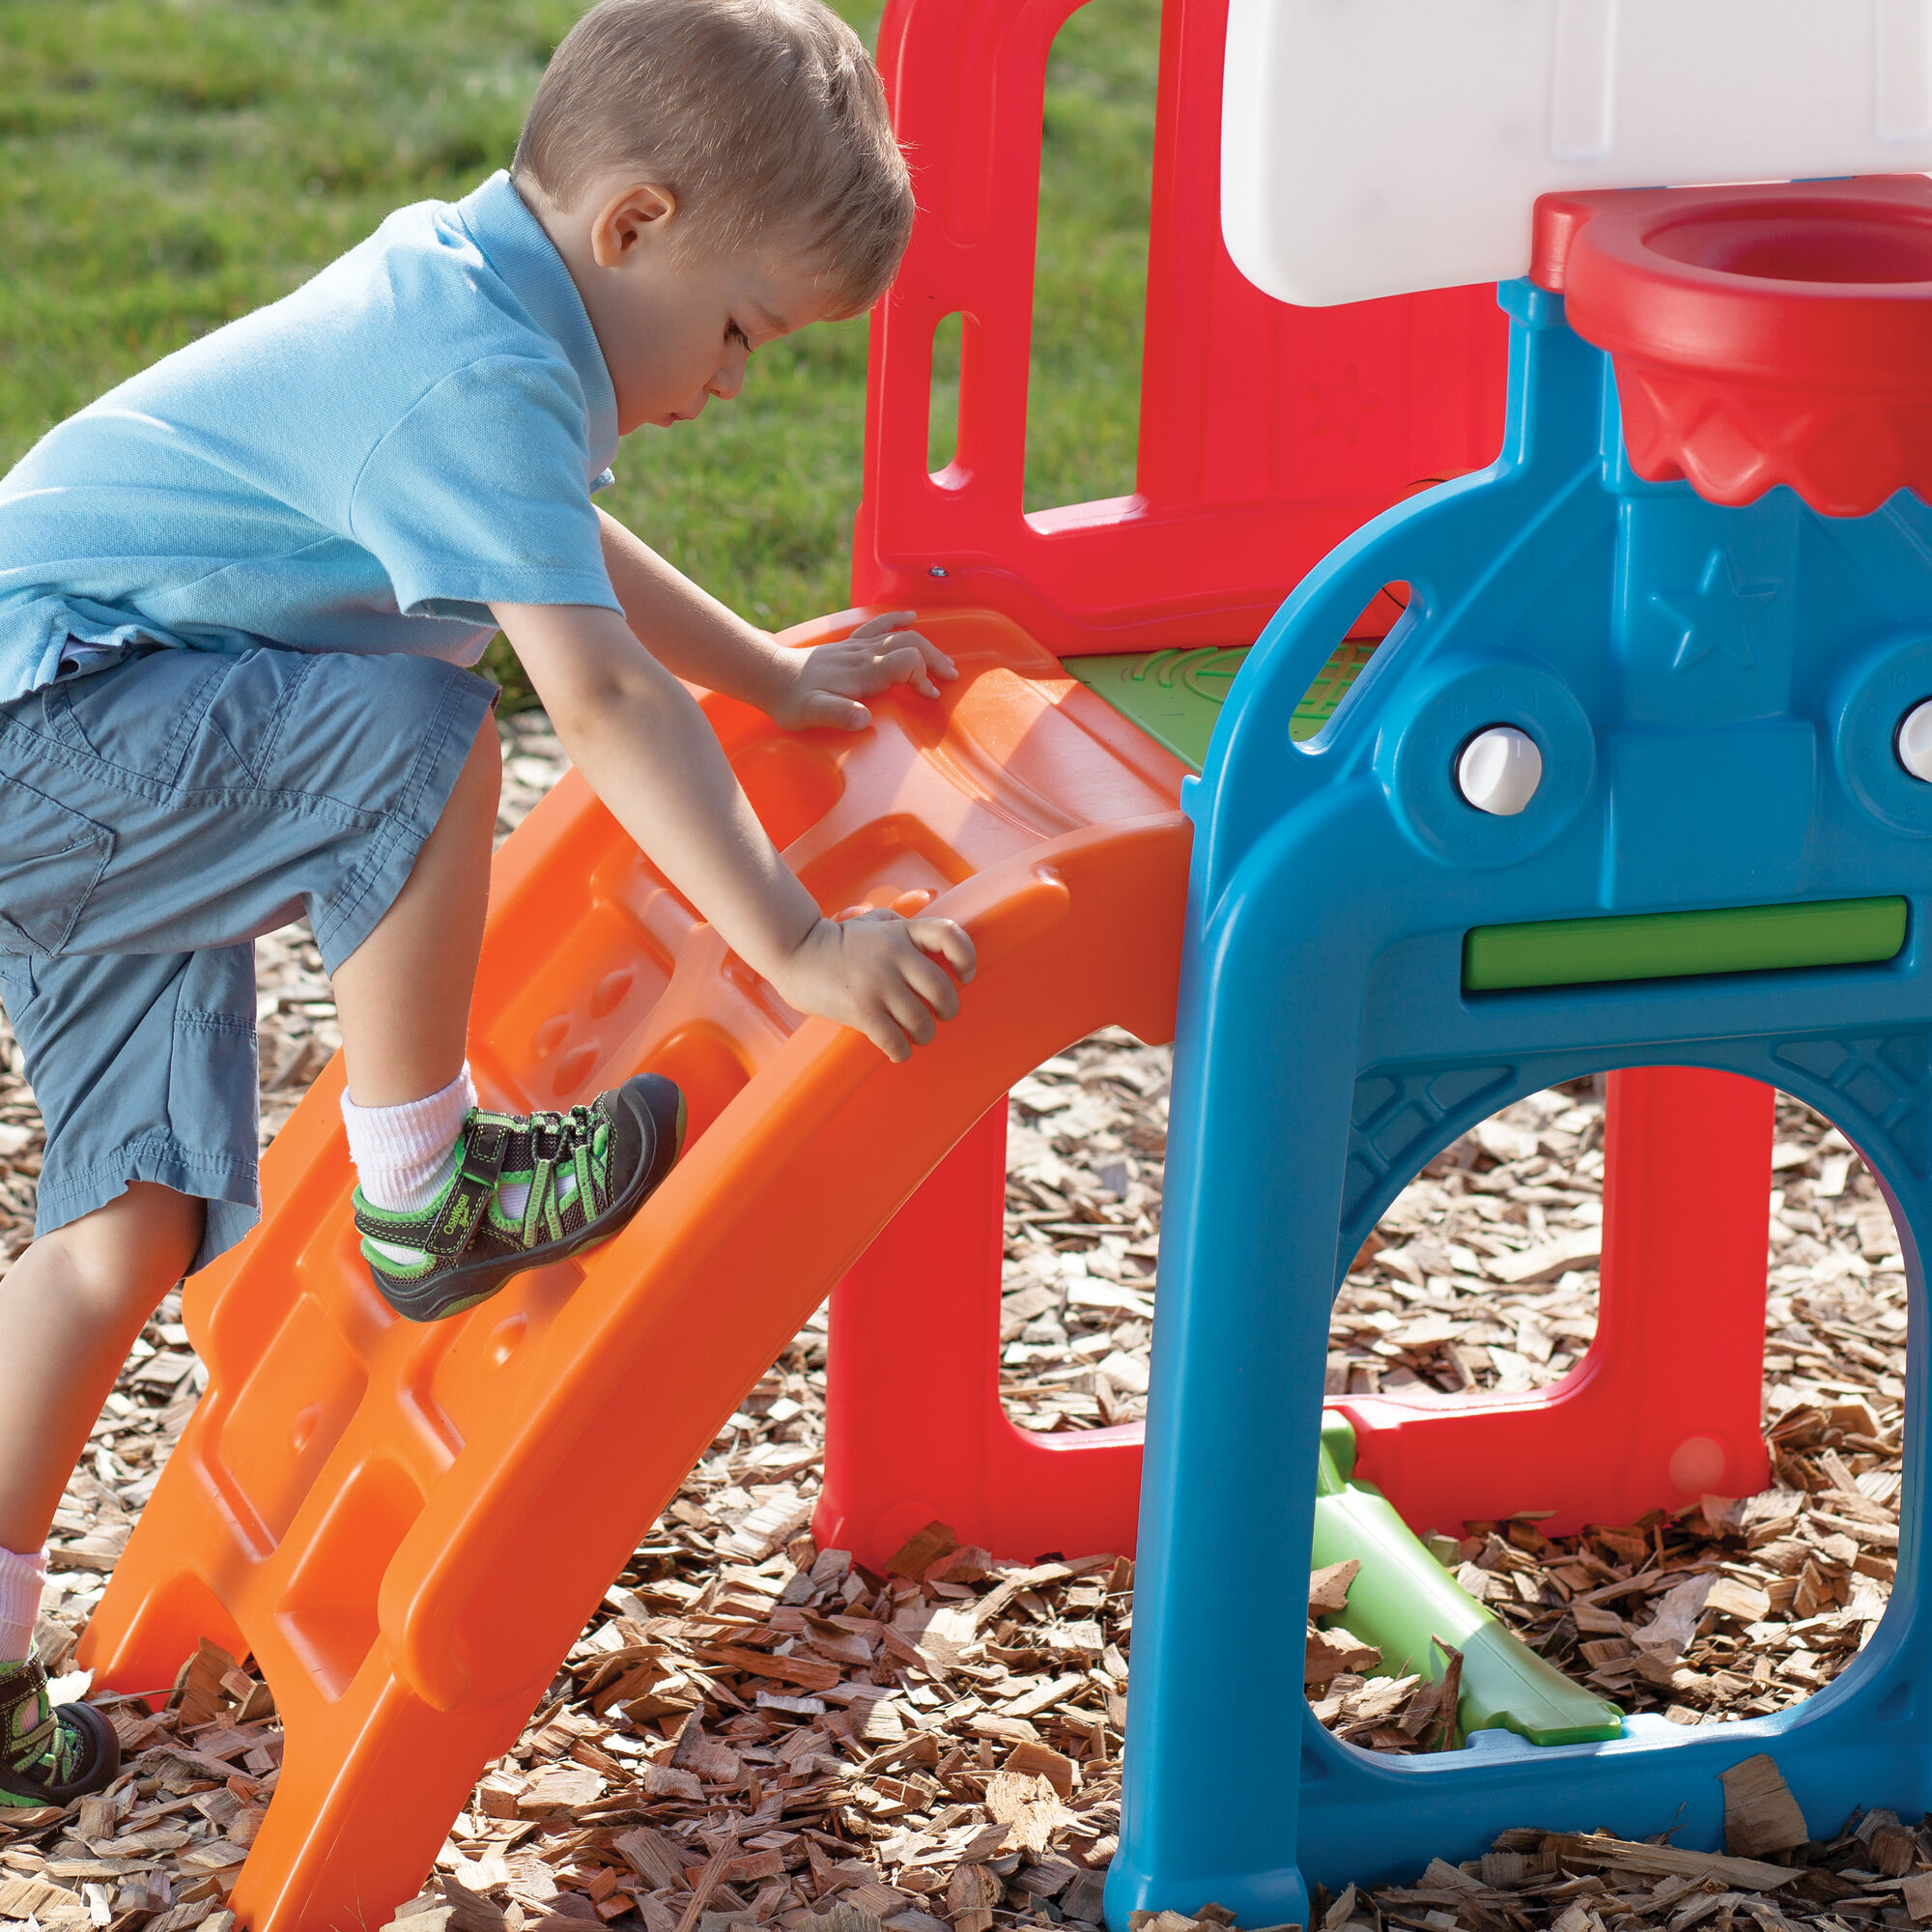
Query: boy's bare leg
point(74, 1302)
point(401, 998)
point(71, 1308)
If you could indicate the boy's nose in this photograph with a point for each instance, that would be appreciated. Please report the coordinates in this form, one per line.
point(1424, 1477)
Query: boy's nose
point(731, 376)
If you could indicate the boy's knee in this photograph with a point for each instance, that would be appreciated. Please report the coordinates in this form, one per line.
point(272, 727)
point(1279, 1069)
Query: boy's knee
point(135, 1248)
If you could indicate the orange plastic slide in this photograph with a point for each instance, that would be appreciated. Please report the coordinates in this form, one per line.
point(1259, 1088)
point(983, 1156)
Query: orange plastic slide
point(408, 1526)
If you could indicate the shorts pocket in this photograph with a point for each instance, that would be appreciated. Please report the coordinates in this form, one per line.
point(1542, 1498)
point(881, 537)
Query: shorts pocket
point(51, 857)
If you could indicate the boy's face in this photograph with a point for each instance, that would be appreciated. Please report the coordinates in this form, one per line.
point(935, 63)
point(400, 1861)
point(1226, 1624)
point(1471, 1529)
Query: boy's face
point(676, 318)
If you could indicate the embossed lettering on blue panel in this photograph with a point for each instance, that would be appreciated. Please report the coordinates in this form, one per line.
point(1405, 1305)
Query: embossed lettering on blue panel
point(1708, 818)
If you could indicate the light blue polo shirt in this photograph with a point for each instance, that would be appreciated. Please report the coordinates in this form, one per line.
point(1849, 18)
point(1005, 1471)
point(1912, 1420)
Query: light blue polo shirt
point(363, 466)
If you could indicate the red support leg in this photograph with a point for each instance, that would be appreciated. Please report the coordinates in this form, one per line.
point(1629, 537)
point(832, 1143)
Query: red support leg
point(1666, 1405)
point(915, 1429)
point(1663, 1408)
point(1687, 1183)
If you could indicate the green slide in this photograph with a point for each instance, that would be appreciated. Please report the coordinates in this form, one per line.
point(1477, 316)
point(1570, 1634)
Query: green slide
point(1402, 1597)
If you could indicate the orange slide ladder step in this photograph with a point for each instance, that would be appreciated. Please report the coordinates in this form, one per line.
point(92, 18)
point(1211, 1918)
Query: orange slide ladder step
point(408, 1526)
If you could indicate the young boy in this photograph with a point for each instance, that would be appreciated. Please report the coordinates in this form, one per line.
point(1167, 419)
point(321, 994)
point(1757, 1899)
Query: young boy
point(236, 596)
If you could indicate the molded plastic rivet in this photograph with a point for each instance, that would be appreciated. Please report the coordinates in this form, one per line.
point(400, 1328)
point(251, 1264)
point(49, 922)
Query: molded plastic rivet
point(1915, 741)
point(1500, 769)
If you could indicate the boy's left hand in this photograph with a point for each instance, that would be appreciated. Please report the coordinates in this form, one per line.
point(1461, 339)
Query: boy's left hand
point(830, 679)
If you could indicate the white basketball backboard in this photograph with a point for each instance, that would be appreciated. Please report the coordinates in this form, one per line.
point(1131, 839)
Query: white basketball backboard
point(1372, 147)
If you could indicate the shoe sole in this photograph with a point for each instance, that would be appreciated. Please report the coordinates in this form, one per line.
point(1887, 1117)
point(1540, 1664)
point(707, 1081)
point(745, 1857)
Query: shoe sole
point(659, 1108)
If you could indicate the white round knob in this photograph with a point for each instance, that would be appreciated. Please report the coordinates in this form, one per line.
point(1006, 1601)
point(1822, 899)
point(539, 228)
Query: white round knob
point(1915, 741)
point(1500, 769)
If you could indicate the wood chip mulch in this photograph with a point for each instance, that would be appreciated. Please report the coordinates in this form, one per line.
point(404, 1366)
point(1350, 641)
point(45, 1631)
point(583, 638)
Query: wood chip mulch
point(752, 1731)
point(1483, 1275)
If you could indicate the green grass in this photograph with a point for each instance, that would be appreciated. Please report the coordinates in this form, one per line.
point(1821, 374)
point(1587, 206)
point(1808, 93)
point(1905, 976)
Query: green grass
point(166, 165)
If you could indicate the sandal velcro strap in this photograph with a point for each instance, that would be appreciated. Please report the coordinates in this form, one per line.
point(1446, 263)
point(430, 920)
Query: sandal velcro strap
point(488, 1145)
point(469, 1198)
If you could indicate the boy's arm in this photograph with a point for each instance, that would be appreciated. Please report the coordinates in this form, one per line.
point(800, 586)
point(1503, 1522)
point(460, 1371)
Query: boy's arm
point(688, 630)
point(650, 755)
point(697, 638)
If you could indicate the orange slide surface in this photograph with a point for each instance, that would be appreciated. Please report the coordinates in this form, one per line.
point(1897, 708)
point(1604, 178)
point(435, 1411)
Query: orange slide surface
point(410, 1526)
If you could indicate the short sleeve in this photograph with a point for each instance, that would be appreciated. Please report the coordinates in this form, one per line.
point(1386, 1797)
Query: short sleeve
point(480, 496)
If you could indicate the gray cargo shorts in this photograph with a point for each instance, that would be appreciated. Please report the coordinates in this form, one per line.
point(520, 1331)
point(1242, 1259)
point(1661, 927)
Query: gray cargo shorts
point(155, 818)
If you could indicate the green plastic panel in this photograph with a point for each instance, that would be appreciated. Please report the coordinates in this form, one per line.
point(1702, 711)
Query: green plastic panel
point(1175, 696)
point(1402, 1598)
point(1665, 945)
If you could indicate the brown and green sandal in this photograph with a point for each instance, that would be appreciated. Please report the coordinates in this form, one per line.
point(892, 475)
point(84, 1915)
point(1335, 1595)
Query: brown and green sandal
point(49, 1755)
point(525, 1189)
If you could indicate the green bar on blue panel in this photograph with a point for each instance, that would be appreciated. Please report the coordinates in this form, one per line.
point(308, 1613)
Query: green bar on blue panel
point(1669, 945)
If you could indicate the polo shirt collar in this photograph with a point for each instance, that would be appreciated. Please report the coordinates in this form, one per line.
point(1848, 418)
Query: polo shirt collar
point(514, 243)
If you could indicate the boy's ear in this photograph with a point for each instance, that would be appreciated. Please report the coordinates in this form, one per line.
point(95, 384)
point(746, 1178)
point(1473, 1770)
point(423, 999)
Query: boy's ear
point(642, 211)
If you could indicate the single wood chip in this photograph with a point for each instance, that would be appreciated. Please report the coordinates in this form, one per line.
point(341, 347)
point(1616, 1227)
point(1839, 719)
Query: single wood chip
point(1620, 1855)
point(971, 1893)
point(923, 1550)
point(1732, 1598)
point(1760, 1813)
point(1334, 1651)
point(1548, 1260)
point(1328, 1587)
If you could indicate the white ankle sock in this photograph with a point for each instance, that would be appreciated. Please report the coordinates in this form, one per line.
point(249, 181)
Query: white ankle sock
point(21, 1581)
point(403, 1154)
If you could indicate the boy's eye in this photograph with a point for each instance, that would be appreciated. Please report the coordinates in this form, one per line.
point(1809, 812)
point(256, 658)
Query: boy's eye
point(733, 333)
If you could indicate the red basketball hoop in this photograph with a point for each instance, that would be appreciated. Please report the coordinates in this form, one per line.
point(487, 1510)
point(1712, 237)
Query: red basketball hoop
point(1762, 336)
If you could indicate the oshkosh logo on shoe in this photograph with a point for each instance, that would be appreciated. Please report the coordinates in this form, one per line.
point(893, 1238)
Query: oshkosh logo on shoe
point(460, 1211)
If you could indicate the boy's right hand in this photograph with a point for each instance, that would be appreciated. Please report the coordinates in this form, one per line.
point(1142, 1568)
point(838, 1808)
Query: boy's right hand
point(648, 752)
point(880, 975)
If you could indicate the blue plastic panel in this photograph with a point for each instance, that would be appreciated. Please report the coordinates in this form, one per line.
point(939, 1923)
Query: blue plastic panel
point(1714, 693)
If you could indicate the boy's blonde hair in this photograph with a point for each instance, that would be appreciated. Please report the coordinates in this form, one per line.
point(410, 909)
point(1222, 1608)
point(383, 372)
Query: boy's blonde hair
point(765, 118)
